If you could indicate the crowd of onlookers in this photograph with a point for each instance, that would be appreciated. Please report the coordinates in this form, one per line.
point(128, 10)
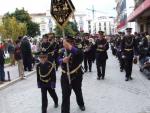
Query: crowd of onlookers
point(19, 51)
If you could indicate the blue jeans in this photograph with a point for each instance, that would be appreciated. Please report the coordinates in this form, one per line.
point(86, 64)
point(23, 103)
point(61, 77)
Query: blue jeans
point(2, 73)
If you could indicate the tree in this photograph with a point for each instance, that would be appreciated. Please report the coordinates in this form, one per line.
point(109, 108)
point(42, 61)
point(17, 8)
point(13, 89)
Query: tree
point(10, 28)
point(33, 29)
point(70, 29)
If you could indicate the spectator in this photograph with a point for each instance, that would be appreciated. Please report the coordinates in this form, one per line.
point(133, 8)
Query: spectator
point(26, 54)
point(11, 50)
point(2, 61)
point(18, 58)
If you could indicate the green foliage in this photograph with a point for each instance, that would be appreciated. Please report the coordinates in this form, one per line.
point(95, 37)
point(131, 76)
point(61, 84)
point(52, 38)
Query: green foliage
point(7, 61)
point(10, 28)
point(33, 29)
point(20, 15)
point(70, 29)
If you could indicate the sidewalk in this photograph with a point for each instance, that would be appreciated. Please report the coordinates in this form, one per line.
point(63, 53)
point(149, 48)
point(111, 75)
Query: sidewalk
point(14, 75)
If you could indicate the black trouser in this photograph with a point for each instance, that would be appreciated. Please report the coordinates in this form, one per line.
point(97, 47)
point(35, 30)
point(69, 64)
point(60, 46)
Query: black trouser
point(45, 100)
point(128, 67)
point(27, 62)
point(76, 85)
point(121, 61)
point(113, 50)
point(101, 65)
point(87, 63)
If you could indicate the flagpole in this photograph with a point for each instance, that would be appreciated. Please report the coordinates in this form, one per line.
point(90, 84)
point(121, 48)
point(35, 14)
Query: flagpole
point(68, 70)
point(67, 9)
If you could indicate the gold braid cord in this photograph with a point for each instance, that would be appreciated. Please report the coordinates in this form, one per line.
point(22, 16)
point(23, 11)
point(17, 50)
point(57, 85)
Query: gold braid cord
point(128, 44)
point(47, 74)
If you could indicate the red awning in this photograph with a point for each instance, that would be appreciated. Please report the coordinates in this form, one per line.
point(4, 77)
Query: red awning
point(121, 25)
point(144, 6)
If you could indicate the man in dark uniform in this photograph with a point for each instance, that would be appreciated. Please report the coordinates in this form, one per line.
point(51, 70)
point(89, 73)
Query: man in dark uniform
point(55, 44)
point(128, 49)
point(112, 44)
point(48, 47)
point(85, 44)
point(45, 44)
point(46, 79)
point(71, 63)
point(119, 39)
point(101, 55)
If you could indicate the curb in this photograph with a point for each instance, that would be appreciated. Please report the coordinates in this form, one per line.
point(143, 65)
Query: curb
point(5, 85)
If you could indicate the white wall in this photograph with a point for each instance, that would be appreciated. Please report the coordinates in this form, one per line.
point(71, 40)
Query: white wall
point(43, 21)
point(130, 8)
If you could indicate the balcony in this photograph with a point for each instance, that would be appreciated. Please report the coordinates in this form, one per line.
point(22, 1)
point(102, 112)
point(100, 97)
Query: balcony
point(137, 3)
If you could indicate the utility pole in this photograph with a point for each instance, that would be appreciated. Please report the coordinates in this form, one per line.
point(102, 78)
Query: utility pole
point(93, 11)
point(93, 14)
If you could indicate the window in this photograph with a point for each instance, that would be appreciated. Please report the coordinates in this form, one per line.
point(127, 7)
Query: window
point(99, 26)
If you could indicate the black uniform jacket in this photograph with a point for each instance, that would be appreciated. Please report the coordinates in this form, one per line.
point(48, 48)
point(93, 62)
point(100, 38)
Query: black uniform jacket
point(46, 76)
point(75, 63)
point(129, 46)
point(101, 49)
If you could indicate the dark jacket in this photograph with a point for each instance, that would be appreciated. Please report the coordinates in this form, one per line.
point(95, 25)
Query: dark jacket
point(18, 53)
point(75, 60)
point(129, 47)
point(26, 47)
point(11, 48)
point(101, 52)
point(2, 60)
point(49, 49)
point(45, 80)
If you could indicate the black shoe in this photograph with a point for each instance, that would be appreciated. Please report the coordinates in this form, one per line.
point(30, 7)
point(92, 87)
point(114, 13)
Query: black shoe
point(56, 106)
point(85, 71)
point(130, 78)
point(98, 78)
point(103, 78)
point(127, 79)
point(82, 108)
point(30, 70)
point(90, 71)
point(121, 70)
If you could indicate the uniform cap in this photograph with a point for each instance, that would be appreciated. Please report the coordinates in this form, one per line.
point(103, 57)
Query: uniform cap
point(42, 53)
point(86, 34)
point(70, 38)
point(119, 32)
point(128, 29)
point(101, 32)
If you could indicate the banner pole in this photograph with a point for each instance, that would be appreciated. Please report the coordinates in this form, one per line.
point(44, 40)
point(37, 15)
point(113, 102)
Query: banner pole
point(68, 70)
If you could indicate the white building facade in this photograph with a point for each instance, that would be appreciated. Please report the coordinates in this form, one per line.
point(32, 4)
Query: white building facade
point(44, 21)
